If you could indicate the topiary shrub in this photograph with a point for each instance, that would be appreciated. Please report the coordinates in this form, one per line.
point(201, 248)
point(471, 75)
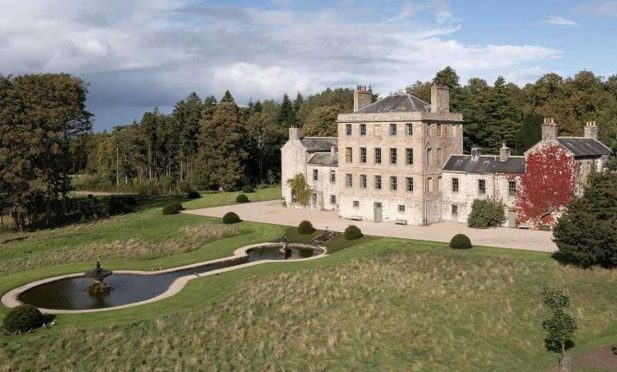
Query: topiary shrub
point(614, 348)
point(305, 228)
point(242, 199)
point(24, 318)
point(193, 195)
point(352, 232)
point(230, 218)
point(460, 241)
point(173, 208)
point(247, 189)
point(485, 214)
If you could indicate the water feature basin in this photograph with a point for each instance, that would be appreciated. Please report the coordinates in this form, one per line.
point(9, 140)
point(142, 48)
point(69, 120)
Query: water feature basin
point(71, 293)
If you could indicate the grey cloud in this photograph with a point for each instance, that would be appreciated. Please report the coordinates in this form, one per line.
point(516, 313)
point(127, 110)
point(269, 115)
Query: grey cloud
point(155, 53)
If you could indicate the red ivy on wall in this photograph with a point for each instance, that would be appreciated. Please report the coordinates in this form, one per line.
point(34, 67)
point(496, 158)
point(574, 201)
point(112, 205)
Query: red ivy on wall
point(547, 186)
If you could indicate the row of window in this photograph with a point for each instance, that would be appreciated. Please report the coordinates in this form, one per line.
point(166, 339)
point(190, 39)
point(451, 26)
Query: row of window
point(393, 129)
point(393, 156)
point(356, 204)
point(332, 175)
point(377, 182)
point(482, 187)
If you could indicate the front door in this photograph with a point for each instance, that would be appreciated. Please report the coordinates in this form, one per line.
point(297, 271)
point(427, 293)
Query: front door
point(314, 200)
point(511, 218)
point(378, 214)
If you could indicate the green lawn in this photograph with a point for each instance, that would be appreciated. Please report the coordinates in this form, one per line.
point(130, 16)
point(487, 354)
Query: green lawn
point(374, 304)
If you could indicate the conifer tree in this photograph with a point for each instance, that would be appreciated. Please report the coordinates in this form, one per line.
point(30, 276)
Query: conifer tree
point(287, 116)
point(221, 147)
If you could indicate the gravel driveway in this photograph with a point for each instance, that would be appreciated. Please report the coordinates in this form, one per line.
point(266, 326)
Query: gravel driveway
point(273, 212)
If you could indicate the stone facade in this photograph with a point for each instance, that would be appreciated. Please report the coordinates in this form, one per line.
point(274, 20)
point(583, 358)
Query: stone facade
point(401, 160)
point(393, 158)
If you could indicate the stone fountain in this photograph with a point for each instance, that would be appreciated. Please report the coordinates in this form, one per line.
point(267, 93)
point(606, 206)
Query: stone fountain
point(285, 251)
point(98, 274)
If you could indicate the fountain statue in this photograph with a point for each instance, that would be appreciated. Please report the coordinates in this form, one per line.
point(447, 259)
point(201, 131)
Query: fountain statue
point(285, 251)
point(98, 274)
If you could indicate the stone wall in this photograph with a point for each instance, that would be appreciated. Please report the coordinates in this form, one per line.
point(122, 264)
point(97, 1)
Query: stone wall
point(293, 161)
point(497, 189)
point(323, 188)
point(437, 139)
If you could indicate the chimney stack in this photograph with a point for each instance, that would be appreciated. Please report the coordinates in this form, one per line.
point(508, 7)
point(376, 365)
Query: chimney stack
point(504, 153)
point(440, 98)
point(362, 97)
point(294, 134)
point(334, 152)
point(476, 152)
point(591, 130)
point(549, 130)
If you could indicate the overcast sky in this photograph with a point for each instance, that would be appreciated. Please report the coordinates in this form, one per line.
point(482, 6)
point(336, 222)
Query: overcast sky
point(139, 54)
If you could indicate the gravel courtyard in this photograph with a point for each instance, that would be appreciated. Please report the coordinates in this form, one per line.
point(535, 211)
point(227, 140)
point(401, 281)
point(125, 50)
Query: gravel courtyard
point(273, 212)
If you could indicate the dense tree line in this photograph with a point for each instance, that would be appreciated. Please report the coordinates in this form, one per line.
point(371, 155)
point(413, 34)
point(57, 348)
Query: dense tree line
point(46, 143)
point(505, 112)
point(205, 143)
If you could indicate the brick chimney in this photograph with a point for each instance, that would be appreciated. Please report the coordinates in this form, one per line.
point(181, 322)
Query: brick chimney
point(549, 130)
point(476, 152)
point(440, 98)
point(294, 134)
point(362, 97)
point(504, 153)
point(591, 130)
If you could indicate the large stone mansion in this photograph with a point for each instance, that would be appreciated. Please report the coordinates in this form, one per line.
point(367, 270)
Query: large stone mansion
point(401, 160)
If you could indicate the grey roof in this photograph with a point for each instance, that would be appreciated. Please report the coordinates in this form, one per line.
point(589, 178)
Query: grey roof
point(324, 158)
point(396, 103)
point(583, 147)
point(485, 164)
point(317, 144)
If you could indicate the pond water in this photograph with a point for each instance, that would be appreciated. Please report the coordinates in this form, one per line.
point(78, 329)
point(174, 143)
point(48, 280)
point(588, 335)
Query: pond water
point(73, 294)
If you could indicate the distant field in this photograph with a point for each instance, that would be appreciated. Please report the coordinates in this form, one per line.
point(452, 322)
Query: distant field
point(374, 304)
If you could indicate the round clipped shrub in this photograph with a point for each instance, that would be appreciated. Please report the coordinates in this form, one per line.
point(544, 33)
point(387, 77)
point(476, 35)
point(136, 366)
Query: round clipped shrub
point(23, 318)
point(242, 198)
point(230, 217)
point(305, 228)
point(173, 208)
point(352, 232)
point(460, 241)
point(247, 189)
point(193, 195)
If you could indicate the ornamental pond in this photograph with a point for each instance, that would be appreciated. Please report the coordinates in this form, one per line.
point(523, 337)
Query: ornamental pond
point(73, 293)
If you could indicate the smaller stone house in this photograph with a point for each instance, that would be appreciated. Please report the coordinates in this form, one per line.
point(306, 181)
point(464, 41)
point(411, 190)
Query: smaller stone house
point(316, 158)
point(556, 170)
point(476, 176)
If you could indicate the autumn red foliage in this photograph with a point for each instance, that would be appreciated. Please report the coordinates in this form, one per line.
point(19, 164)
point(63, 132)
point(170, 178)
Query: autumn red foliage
point(547, 186)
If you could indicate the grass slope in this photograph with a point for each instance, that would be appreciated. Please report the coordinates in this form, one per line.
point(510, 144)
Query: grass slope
point(377, 303)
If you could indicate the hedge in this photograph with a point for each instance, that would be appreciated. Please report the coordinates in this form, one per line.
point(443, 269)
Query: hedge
point(460, 241)
point(352, 232)
point(230, 218)
point(305, 228)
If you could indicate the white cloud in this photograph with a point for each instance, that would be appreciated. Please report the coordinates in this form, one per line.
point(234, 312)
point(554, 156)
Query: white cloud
point(560, 21)
point(152, 53)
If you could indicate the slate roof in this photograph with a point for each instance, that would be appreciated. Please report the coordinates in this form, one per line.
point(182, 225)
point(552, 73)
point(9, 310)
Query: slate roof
point(584, 147)
point(319, 144)
point(396, 103)
point(485, 164)
point(323, 158)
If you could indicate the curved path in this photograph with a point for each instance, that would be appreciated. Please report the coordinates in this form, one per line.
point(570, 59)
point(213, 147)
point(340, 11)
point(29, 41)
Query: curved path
point(11, 298)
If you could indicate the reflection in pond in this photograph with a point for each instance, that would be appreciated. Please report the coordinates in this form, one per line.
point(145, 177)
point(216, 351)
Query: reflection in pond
point(73, 294)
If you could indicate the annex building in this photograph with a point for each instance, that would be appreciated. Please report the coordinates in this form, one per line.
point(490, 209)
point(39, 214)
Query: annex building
point(401, 160)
